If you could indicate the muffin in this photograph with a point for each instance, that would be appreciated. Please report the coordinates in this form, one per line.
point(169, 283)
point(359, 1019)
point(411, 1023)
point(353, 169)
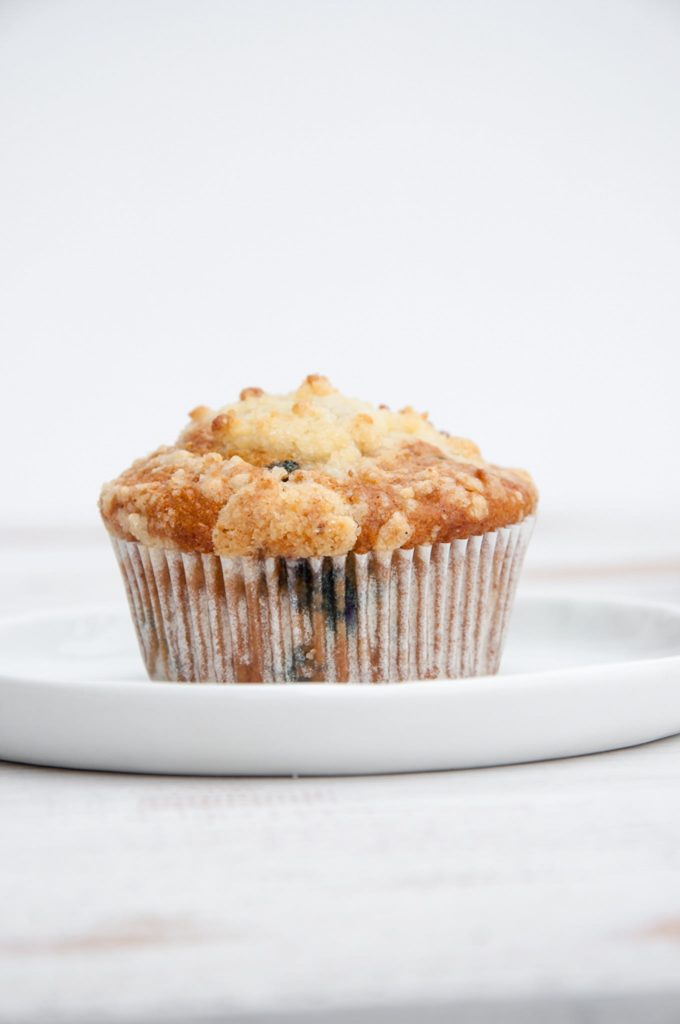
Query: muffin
point(311, 537)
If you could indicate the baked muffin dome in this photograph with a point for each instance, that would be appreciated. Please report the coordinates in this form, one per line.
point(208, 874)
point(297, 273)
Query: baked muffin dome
point(311, 473)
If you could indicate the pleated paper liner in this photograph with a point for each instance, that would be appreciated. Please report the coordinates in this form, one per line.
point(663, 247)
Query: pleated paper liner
point(436, 611)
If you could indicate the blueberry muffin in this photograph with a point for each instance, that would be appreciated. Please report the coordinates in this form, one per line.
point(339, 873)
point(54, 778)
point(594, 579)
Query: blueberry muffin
point(314, 537)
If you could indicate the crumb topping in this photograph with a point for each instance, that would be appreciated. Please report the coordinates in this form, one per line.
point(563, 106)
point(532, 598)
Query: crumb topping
point(311, 473)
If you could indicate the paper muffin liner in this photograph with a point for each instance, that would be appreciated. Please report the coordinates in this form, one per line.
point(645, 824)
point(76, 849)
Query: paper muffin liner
point(435, 611)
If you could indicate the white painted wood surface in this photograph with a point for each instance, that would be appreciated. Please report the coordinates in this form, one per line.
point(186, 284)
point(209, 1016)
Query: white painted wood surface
point(547, 892)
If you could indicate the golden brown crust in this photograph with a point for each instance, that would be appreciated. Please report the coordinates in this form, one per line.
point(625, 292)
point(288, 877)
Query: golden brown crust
point(311, 473)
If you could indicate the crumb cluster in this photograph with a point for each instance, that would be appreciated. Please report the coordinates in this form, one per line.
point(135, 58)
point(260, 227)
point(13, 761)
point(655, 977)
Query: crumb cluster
point(311, 473)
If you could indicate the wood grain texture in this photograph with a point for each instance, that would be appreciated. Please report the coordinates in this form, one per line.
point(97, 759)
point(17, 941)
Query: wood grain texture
point(141, 898)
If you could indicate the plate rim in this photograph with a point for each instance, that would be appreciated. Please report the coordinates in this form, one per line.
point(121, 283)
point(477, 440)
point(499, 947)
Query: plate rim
point(417, 726)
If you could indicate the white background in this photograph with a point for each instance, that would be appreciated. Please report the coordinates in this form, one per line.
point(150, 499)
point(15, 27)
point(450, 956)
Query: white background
point(471, 207)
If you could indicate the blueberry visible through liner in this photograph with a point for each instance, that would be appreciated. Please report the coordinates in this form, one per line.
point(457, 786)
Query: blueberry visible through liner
point(302, 591)
point(286, 464)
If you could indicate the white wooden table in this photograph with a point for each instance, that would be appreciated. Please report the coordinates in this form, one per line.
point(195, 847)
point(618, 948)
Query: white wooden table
point(546, 892)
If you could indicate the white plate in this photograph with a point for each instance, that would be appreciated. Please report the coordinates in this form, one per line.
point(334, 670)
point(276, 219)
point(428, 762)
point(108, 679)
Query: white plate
point(579, 677)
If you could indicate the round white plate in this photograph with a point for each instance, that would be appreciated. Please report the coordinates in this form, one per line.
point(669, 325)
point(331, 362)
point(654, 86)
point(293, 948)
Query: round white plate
point(578, 677)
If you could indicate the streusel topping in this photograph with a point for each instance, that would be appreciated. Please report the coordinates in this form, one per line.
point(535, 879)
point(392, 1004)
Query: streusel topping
point(311, 473)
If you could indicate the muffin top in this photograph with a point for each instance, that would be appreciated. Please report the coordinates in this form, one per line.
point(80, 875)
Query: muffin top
point(311, 473)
